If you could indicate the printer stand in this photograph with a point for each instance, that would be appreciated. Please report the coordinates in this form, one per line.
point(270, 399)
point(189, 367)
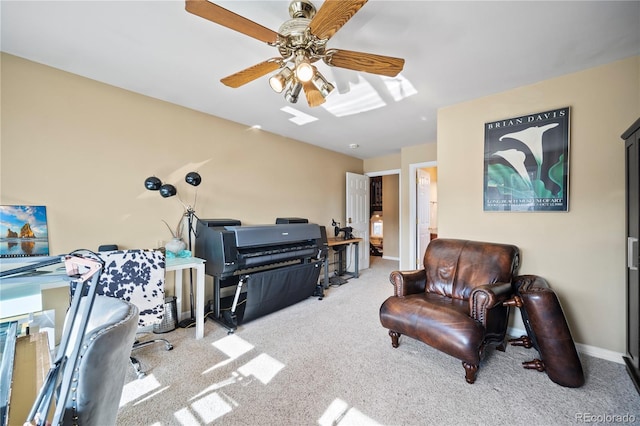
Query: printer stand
point(260, 293)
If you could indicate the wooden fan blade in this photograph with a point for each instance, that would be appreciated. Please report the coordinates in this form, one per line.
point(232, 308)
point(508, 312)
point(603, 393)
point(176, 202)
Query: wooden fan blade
point(247, 75)
point(314, 97)
point(367, 62)
point(332, 15)
point(226, 18)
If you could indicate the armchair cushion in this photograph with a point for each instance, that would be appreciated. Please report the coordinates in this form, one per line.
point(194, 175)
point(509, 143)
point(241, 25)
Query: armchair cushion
point(438, 321)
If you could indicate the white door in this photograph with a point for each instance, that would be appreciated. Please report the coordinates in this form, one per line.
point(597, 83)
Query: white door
point(357, 215)
point(423, 183)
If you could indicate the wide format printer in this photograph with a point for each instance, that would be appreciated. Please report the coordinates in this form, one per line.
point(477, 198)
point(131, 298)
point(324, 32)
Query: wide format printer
point(268, 266)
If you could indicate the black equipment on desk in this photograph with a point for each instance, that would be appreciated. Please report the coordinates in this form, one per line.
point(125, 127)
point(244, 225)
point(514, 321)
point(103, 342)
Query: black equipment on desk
point(271, 266)
point(281, 220)
point(347, 231)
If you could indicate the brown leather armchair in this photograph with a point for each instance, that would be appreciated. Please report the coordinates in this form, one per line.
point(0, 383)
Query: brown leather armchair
point(454, 304)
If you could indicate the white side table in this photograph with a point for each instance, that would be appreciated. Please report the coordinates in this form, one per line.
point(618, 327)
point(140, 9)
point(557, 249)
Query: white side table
point(179, 264)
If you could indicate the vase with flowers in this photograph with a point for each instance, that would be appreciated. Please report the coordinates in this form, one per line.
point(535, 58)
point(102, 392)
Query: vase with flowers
point(176, 245)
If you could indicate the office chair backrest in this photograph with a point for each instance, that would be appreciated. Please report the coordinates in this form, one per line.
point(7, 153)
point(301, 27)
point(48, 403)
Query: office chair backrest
point(136, 276)
point(104, 359)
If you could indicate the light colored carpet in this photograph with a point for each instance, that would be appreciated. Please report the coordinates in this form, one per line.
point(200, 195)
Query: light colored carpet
point(330, 362)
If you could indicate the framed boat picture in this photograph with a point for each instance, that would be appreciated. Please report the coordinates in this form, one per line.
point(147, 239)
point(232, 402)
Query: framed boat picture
point(23, 231)
point(526, 163)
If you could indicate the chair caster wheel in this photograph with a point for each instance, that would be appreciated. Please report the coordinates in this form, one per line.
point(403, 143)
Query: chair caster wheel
point(169, 347)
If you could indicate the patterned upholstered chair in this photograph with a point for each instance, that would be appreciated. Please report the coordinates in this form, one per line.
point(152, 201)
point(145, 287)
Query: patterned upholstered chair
point(137, 276)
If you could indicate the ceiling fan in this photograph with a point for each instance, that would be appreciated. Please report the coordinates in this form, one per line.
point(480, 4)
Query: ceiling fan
point(301, 41)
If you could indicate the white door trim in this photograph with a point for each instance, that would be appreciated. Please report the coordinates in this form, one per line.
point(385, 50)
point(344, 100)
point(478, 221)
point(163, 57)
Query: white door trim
point(413, 209)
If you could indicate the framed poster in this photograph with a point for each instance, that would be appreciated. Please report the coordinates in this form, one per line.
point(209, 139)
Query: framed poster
point(526, 163)
point(23, 231)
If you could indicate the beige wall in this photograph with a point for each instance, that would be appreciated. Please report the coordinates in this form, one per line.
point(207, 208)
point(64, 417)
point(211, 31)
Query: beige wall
point(84, 149)
point(380, 164)
point(581, 252)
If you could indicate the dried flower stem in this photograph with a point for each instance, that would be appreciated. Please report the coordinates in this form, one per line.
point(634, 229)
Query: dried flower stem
point(178, 231)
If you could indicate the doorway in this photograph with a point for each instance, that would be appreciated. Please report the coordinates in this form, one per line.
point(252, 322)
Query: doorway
point(384, 215)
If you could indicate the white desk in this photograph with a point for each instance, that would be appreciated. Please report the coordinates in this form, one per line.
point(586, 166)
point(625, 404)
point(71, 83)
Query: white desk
point(22, 293)
point(179, 264)
point(28, 287)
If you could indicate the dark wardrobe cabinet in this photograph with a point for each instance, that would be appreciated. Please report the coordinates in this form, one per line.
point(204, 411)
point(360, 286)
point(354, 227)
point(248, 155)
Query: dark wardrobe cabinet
point(632, 173)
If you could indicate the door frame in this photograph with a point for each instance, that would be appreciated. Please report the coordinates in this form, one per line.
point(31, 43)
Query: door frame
point(385, 173)
point(413, 208)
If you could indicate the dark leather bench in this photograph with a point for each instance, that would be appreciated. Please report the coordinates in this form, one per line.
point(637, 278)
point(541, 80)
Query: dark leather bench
point(547, 331)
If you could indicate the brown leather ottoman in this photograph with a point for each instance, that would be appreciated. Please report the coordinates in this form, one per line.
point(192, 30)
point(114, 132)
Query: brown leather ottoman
point(547, 331)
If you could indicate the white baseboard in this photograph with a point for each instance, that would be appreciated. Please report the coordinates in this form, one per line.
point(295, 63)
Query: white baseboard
point(600, 353)
point(391, 258)
point(594, 351)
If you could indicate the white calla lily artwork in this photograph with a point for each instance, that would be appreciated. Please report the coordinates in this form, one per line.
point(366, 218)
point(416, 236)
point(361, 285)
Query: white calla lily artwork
point(526, 162)
point(532, 138)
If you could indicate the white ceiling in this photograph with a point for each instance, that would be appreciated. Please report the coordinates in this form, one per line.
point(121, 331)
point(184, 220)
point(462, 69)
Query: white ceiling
point(454, 51)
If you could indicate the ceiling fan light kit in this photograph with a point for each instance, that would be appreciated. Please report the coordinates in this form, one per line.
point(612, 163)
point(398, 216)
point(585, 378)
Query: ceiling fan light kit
point(292, 93)
point(322, 84)
point(301, 41)
point(280, 80)
point(304, 70)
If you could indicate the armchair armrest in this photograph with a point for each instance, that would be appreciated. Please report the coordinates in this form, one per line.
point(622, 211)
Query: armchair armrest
point(408, 282)
point(487, 297)
point(523, 283)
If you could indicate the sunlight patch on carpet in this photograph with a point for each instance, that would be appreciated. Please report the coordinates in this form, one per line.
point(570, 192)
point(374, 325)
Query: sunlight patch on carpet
point(233, 347)
point(263, 367)
point(231, 380)
point(208, 409)
point(138, 388)
point(339, 413)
